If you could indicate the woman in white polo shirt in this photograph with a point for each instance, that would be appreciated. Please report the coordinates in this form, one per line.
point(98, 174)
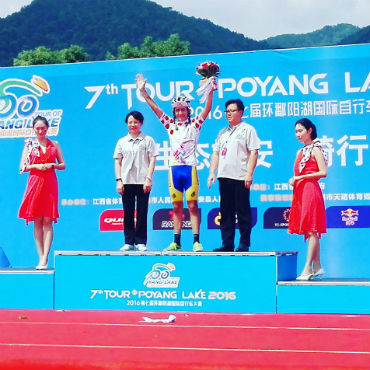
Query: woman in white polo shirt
point(134, 162)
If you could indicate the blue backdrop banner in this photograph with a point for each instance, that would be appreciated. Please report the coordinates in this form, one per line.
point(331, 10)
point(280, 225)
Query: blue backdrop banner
point(86, 104)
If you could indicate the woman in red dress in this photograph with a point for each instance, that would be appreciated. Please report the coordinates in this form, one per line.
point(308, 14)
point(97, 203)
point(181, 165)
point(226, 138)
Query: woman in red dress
point(41, 157)
point(307, 213)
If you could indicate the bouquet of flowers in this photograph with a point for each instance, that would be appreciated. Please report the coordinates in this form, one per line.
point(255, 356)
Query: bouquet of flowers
point(209, 71)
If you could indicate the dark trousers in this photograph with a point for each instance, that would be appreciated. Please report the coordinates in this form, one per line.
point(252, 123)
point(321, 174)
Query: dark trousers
point(135, 194)
point(234, 201)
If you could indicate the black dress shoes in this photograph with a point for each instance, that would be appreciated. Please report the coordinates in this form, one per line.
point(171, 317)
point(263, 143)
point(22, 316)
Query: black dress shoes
point(242, 249)
point(223, 249)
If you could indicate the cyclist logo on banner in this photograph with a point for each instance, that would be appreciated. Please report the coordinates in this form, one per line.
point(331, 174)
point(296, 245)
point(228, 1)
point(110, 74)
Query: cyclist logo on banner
point(160, 276)
point(19, 104)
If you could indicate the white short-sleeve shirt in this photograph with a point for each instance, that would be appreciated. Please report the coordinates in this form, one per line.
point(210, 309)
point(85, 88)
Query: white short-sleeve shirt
point(234, 144)
point(183, 139)
point(135, 154)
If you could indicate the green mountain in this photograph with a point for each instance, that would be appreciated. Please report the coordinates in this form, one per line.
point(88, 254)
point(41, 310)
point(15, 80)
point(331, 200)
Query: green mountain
point(329, 35)
point(362, 36)
point(102, 25)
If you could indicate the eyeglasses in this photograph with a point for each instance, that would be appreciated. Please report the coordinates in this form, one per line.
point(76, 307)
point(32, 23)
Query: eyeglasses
point(231, 111)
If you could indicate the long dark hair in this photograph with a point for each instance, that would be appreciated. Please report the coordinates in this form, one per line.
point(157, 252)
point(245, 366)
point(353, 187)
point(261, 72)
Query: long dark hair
point(40, 118)
point(307, 124)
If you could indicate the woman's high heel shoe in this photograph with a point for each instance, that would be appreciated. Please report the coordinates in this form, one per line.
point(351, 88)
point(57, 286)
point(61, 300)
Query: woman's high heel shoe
point(304, 277)
point(318, 274)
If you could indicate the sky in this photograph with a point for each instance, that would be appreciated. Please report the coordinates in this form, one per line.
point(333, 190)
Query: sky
point(259, 19)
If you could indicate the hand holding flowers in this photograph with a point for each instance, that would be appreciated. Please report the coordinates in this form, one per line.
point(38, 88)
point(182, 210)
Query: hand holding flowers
point(209, 71)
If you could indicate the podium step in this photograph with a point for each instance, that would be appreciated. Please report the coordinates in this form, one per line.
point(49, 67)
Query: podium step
point(26, 288)
point(340, 296)
point(177, 281)
point(328, 281)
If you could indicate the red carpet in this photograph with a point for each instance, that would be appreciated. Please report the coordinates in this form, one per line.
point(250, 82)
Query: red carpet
point(50, 340)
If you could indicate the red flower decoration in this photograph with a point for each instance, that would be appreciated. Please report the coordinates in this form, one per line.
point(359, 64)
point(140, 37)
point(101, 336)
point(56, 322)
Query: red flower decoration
point(208, 69)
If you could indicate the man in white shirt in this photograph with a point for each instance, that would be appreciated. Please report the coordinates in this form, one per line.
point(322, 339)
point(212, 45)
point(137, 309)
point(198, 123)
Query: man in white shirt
point(235, 156)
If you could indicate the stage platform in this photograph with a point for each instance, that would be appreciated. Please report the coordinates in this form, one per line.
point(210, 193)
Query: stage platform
point(324, 296)
point(26, 288)
point(253, 282)
point(177, 281)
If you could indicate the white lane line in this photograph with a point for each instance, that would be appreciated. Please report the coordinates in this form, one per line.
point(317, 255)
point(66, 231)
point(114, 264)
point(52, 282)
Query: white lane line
point(24, 322)
point(183, 348)
point(213, 314)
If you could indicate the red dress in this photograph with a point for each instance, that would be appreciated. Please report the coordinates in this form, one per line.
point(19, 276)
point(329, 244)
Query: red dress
point(307, 213)
point(41, 195)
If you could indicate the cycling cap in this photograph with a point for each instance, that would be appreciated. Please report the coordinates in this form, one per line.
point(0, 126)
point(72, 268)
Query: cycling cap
point(180, 101)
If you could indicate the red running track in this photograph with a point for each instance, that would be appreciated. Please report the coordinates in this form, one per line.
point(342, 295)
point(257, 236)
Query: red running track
point(53, 340)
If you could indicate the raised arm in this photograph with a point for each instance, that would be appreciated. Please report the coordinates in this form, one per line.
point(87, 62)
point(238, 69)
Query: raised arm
point(209, 101)
point(140, 84)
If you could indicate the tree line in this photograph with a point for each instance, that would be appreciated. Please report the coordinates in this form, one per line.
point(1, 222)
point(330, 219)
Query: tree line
point(102, 26)
point(76, 53)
